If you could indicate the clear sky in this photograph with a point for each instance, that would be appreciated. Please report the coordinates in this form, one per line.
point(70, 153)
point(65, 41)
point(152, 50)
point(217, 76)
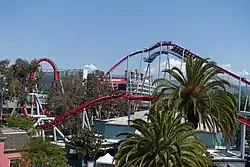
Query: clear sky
point(78, 32)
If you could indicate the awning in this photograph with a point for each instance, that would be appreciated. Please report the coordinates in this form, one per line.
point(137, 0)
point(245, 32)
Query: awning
point(106, 159)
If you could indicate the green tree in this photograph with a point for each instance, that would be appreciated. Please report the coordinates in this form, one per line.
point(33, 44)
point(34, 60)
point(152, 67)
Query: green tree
point(22, 123)
point(17, 79)
point(199, 96)
point(87, 143)
point(14, 80)
point(4, 64)
point(59, 102)
point(163, 142)
point(78, 91)
point(98, 86)
point(40, 153)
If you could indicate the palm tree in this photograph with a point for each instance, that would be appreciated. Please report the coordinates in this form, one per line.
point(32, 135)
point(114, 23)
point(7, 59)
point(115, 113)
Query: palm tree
point(200, 96)
point(163, 142)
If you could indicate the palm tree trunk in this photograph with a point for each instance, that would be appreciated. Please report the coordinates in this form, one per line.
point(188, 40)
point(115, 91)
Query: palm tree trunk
point(193, 119)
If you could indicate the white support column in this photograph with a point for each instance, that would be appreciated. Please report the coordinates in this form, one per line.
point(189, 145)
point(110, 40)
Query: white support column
point(32, 105)
point(37, 107)
point(144, 78)
point(139, 72)
point(243, 127)
point(128, 90)
point(87, 119)
point(149, 79)
point(182, 59)
point(128, 75)
point(61, 84)
point(61, 134)
point(167, 65)
point(43, 134)
point(54, 134)
point(13, 110)
point(110, 79)
point(159, 63)
point(83, 119)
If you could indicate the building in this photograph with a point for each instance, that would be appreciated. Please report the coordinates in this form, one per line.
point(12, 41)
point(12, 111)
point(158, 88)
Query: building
point(11, 141)
point(118, 81)
point(133, 82)
point(49, 73)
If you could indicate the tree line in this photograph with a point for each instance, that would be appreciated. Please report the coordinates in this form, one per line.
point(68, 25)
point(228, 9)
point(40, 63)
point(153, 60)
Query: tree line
point(14, 86)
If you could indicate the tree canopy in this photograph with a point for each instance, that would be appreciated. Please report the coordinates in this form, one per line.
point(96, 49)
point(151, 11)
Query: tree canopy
point(87, 142)
point(162, 141)
point(78, 91)
point(200, 97)
point(16, 79)
point(39, 152)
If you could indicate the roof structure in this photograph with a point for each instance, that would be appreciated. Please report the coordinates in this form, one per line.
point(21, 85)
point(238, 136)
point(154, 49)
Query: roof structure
point(15, 138)
point(221, 158)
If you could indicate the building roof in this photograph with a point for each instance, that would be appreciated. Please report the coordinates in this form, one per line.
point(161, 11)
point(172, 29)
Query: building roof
point(124, 120)
point(221, 158)
point(138, 115)
point(15, 138)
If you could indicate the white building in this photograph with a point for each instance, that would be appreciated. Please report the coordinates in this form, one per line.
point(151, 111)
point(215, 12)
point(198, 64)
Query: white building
point(137, 83)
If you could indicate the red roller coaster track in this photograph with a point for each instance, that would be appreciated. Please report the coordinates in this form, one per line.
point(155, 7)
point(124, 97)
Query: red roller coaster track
point(53, 65)
point(32, 76)
point(175, 48)
point(78, 109)
point(178, 49)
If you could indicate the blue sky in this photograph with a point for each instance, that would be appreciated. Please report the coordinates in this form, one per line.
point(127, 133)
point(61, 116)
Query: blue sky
point(79, 32)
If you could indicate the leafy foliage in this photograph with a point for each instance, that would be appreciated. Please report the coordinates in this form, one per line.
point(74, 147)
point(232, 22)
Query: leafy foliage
point(73, 96)
point(38, 152)
point(4, 64)
point(22, 123)
point(78, 91)
point(96, 87)
point(200, 97)
point(163, 142)
point(87, 143)
point(16, 78)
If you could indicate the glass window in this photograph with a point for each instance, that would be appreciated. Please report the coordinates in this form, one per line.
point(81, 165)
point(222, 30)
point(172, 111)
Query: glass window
point(14, 163)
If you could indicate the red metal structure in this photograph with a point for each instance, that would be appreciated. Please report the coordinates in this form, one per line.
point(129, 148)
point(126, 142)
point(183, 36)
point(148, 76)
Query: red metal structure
point(53, 65)
point(56, 78)
point(78, 109)
point(178, 51)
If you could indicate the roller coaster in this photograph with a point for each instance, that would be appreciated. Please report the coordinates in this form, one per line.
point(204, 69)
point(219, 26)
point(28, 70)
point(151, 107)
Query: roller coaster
point(165, 48)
